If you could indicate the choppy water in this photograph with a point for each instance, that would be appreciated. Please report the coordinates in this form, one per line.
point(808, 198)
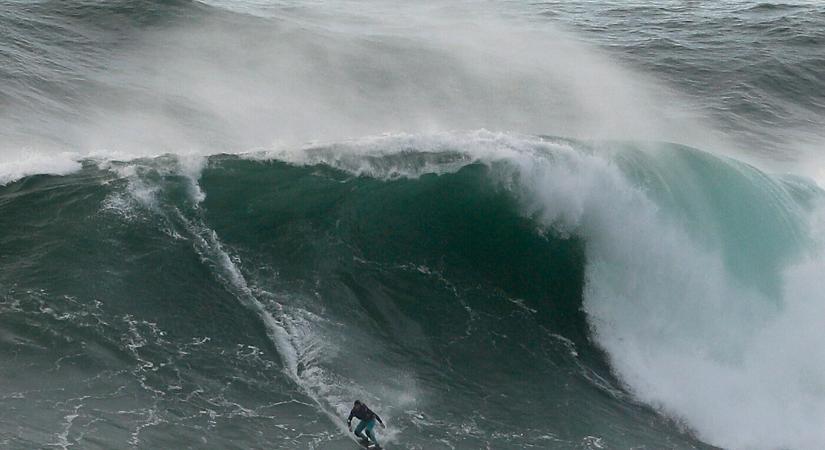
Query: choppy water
point(501, 224)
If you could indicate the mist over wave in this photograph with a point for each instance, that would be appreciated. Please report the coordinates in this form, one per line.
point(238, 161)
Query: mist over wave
point(554, 225)
point(204, 79)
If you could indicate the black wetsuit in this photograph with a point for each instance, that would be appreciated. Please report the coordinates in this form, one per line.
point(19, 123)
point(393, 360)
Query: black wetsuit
point(363, 413)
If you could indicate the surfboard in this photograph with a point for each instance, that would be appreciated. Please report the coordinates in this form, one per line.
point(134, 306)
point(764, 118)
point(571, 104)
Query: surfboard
point(368, 445)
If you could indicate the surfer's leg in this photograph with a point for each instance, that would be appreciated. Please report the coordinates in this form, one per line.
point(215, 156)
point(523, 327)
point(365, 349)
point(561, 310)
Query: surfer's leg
point(360, 428)
point(370, 426)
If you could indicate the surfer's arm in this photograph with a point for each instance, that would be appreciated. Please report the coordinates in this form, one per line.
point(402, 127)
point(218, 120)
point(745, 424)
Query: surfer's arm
point(379, 420)
point(351, 415)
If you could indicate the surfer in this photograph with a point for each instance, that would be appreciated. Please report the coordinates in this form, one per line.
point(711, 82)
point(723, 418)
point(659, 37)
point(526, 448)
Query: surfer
point(367, 418)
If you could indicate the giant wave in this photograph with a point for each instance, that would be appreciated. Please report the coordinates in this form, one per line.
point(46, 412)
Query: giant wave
point(220, 222)
point(481, 289)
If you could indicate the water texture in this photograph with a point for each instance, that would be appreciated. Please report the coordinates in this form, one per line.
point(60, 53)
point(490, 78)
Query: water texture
point(503, 224)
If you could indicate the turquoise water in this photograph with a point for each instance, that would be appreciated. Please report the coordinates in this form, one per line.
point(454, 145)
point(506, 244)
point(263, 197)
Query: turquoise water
point(499, 224)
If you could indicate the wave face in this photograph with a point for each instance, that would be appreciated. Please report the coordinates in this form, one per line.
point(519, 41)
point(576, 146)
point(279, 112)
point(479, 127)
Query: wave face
point(478, 290)
point(223, 221)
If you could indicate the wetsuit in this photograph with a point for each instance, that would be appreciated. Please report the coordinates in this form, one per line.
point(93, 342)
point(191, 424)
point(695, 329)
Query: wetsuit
point(367, 418)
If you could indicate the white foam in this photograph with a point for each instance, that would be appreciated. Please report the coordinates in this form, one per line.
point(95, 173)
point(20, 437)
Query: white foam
point(15, 167)
point(682, 332)
point(433, 153)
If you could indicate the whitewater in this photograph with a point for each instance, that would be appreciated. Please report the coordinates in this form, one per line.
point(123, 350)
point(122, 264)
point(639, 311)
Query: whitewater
point(500, 224)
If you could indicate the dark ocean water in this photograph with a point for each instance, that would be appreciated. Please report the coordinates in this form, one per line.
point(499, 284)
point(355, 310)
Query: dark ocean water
point(755, 67)
point(590, 225)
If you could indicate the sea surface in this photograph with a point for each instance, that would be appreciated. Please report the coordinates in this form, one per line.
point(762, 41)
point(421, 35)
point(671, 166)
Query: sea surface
point(501, 224)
